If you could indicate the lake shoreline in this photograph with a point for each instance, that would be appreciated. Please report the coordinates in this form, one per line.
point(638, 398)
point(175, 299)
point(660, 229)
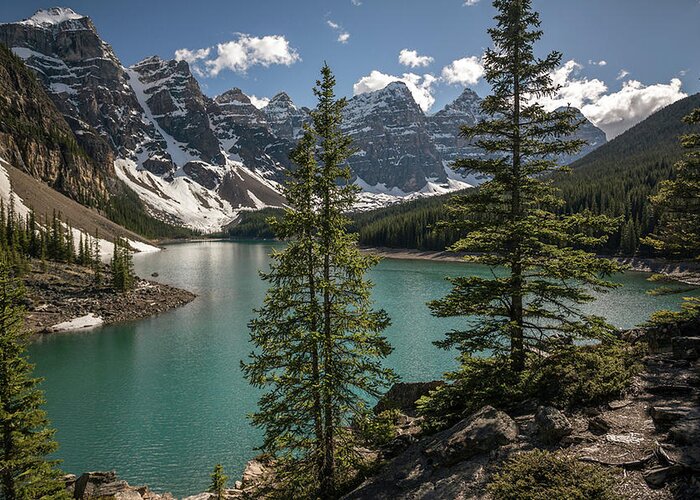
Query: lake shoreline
point(682, 271)
point(64, 297)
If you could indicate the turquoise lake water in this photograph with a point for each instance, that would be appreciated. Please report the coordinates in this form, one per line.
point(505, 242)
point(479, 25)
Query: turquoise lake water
point(162, 400)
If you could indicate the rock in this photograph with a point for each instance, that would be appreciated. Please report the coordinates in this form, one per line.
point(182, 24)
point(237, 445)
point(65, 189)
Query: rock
point(107, 486)
point(598, 425)
point(87, 484)
point(670, 390)
point(483, 432)
point(403, 396)
point(397, 445)
point(254, 472)
point(686, 347)
point(665, 416)
point(631, 438)
point(658, 476)
point(154, 275)
point(685, 432)
point(552, 424)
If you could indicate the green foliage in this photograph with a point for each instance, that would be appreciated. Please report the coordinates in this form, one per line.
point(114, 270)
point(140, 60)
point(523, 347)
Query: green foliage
point(22, 238)
point(318, 341)
point(587, 375)
point(256, 224)
point(122, 266)
point(690, 311)
point(542, 475)
point(575, 376)
point(218, 482)
point(25, 472)
point(512, 221)
point(127, 210)
point(378, 430)
point(678, 200)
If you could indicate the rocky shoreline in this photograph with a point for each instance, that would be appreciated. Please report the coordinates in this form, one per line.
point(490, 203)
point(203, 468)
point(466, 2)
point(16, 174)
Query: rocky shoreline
point(66, 297)
point(681, 271)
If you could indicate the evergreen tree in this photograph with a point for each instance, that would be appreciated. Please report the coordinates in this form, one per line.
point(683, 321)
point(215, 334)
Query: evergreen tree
point(319, 347)
point(678, 201)
point(218, 482)
point(25, 472)
point(511, 221)
point(122, 266)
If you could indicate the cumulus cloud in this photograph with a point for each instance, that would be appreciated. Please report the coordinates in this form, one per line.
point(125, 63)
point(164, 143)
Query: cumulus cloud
point(465, 71)
point(420, 86)
point(616, 112)
point(623, 74)
point(240, 54)
point(602, 62)
point(613, 112)
point(356, 3)
point(259, 102)
point(191, 56)
point(470, 3)
point(343, 35)
point(412, 59)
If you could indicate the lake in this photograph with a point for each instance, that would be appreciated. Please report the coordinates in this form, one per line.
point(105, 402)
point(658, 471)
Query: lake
point(162, 400)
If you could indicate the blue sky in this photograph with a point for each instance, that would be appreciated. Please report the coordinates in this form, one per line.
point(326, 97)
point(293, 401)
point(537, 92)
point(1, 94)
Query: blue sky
point(651, 41)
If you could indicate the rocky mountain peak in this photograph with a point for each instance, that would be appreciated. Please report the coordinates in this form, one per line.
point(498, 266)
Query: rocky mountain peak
point(467, 102)
point(285, 118)
point(54, 16)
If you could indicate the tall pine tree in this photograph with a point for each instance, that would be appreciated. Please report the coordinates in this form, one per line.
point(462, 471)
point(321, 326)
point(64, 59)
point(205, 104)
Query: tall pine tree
point(511, 221)
point(319, 343)
point(678, 201)
point(25, 437)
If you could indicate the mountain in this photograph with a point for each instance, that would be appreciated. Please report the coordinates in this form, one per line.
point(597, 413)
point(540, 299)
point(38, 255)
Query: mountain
point(149, 126)
point(197, 161)
point(394, 151)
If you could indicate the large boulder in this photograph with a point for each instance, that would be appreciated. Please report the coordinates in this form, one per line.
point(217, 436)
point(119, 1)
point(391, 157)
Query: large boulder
point(483, 432)
point(552, 425)
point(403, 396)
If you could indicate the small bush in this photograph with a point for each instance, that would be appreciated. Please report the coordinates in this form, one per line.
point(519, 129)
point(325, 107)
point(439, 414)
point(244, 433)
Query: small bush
point(478, 382)
point(541, 475)
point(573, 377)
point(378, 430)
point(587, 375)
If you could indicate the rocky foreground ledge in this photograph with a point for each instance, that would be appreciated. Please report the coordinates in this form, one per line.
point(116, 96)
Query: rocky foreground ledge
point(62, 297)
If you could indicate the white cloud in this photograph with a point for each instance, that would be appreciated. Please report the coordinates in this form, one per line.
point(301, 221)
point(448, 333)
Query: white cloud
point(240, 54)
point(613, 112)
point(191, 56)
point(259, 102)
point(470, 3)
point(623, 74)
point(465, 71)
point(420, 86)
point(412, 59)
point(356, 3)
point(343, 36)
point(616, 112)
point(602, 62)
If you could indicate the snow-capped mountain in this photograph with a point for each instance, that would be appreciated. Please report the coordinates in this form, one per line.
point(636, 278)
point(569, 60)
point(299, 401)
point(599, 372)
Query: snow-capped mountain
point(150, 125)
point(197, 161)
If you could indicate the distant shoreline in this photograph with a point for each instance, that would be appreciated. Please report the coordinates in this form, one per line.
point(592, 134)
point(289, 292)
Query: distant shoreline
point(681, 271)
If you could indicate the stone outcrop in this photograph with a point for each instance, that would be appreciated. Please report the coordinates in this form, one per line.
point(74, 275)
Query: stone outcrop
point(107, 486)
point(552, 424)
point(403, 396)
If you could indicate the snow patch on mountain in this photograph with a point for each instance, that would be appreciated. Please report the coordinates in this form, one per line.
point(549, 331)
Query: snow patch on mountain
point(181, 199)
point(52, 16)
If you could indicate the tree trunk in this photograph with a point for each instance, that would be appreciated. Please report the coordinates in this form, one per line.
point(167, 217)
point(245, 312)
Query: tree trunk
point(517, 352)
